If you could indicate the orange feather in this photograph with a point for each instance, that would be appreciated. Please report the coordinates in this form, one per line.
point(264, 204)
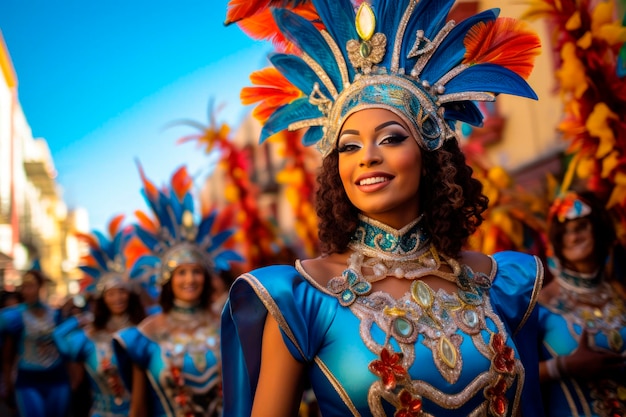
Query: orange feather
point(506, 42)
point(145, 222)
point(262, 26)
point(149, 187)
point(243, 9)
point(181, 182)
point(272, 91)
point(114, 224)
point(88, 239)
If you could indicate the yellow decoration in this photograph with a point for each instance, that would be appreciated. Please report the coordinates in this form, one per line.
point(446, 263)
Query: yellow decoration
point(585, 41)
point(585, 167)
point(598, 126)
point(394, 312)
point(618, 196)
point(572, 73)
point(573, 22)
point(609, 164)
point(365, 22)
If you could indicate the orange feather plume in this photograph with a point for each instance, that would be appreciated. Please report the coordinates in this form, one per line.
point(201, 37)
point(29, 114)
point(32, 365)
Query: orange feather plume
point(273, 91)
point(145, 222)
point(114, 224)
point(88, 239)
point(181, 182)
point(506, 42)
point(262, 26)
point(133, 250)
point(148, 186)
point(242, 9)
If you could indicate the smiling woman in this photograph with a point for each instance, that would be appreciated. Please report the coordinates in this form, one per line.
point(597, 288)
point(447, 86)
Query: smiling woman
point(170, 361)
point(394, 318)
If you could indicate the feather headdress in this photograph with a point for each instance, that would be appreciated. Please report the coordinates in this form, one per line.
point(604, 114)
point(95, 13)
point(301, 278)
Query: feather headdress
point(173, 238)
point(400, 55)
point(104, 265)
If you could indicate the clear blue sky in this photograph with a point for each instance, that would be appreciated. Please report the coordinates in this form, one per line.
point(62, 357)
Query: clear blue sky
point(99, 80)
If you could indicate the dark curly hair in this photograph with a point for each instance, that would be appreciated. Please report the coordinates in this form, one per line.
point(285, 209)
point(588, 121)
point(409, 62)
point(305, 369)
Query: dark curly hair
point(102, 314)
point(601, 223)
point(450, 199)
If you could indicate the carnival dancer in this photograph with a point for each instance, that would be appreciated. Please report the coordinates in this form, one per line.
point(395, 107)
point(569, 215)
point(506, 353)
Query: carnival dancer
point(87, 338)
point(582, 313)
point(42, 387)
point(394, 318)
point(172, 359)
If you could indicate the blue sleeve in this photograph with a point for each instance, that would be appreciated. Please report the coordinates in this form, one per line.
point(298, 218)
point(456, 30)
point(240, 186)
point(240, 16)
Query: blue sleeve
point(11, 320)
point(302, 313)
point(514, 295)
point(70, 340)
point(130, 346)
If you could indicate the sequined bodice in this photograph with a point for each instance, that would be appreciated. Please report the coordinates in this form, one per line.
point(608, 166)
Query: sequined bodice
point(39, 348)
point(456, 333)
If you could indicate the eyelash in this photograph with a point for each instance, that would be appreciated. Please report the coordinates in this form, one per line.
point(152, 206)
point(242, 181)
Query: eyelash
point(391, 139)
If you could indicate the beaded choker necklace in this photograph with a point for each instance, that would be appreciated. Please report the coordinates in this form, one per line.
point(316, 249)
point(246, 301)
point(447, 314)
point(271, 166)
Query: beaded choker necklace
point(405, 253)
point(182, 307)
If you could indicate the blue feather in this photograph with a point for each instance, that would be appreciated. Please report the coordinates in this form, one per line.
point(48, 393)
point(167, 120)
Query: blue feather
point(98, 255)
point(298, 73)
point(95, 273)
point(490, 78)
point(204, 228)
point(219, 239)
point(313, 135)
point(143, 265)
point(429, 16)
point(388, 15)
point(147, 238)
point(306, 37)
point(338, 18)
point(464, 111)
point(295, 111)
point(452, 50)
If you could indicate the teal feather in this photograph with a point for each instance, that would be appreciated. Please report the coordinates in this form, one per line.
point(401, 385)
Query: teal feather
point(313, 135)
point(465, 111)
point(490, 78)
point(298, 73)
point(295, 111)
point(308, 39)
point(338, 18)
point(452, 50)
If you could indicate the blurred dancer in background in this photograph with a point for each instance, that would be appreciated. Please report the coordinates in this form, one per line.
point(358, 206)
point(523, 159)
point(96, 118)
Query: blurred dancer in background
point(171, 361)
point(87, 338)
point(42, 387)
point(582, 314)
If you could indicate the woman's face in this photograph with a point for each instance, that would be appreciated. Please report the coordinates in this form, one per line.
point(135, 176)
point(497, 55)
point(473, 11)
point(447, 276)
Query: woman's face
point(187, 282)
point(578, 241)
point(30, 291)
point(116, 299)
point(380, 166)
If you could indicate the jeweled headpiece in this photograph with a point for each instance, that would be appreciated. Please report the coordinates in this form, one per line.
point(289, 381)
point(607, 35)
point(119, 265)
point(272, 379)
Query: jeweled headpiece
point(400, 55)
point(104, 265)
point(569, 206)
point(173, 238)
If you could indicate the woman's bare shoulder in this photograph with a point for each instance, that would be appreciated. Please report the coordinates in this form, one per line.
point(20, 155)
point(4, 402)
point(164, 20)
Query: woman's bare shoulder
point(323, 268)
point(478, 262)
point(151, 325)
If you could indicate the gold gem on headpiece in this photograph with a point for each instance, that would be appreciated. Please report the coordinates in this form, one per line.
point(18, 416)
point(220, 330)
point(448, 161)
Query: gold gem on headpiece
point(182, 254)
point(371, 49)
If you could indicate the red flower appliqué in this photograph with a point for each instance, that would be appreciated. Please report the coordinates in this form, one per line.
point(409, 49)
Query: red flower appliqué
point(388, 368)
point(504, 360)
point(411, 406)
point(498, 403)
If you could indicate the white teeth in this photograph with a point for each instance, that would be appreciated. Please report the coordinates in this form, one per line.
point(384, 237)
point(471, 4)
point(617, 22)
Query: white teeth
point(372, 180)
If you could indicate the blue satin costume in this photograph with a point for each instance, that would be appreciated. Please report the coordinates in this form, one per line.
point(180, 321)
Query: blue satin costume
point(200, 370)
point(327, 337)
point(560, 328)
point(95, 351)
point(42, 386)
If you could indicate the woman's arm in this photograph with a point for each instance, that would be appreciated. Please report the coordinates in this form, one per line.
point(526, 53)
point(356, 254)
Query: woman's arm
point(138, 400)
point(279, 390)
